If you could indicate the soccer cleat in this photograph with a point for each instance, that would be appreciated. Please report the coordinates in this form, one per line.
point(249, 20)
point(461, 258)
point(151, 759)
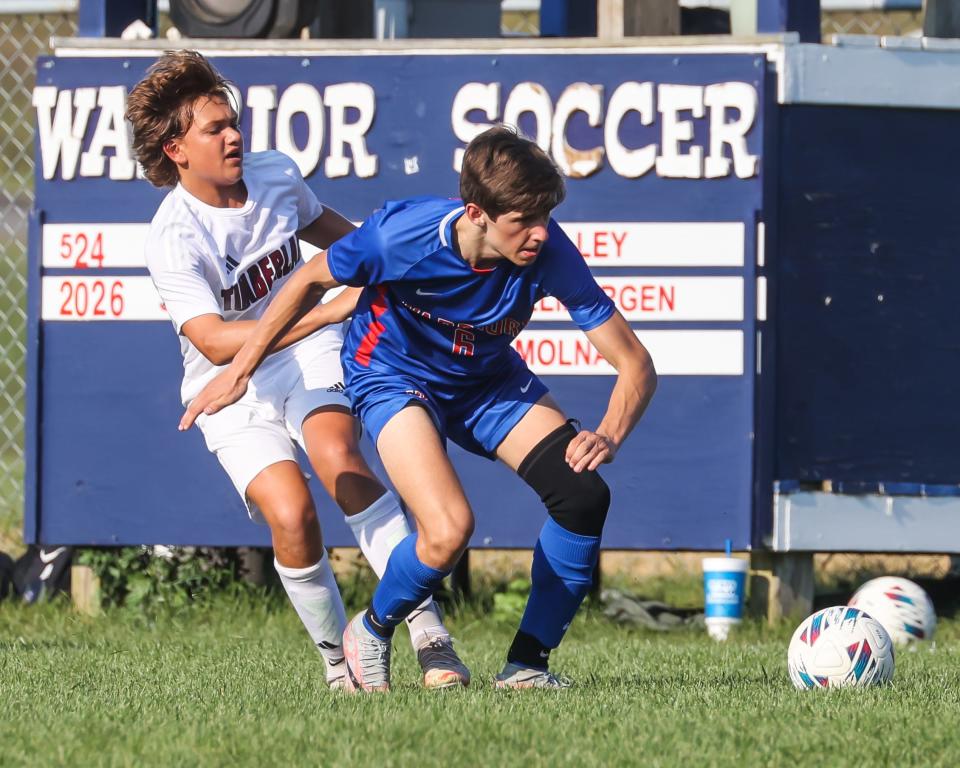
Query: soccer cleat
point(518, 678)
point(441, 666)
point(367, 658)
point(336, 674)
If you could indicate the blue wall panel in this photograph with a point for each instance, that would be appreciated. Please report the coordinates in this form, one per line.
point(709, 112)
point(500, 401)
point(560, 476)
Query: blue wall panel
point(868, 354)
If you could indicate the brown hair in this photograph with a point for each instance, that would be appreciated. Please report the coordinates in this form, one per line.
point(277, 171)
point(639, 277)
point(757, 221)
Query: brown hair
point(503, 171)
point(160, 108)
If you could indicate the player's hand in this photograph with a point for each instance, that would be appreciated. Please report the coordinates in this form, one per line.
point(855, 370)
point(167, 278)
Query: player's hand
point(223, 390)
point(588, 450)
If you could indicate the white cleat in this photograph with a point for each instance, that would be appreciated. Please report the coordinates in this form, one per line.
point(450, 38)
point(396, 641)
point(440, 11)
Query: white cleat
point(336, 670)
point(442, 667)
point(517, 677)
point(336, 674)
point(367, 658)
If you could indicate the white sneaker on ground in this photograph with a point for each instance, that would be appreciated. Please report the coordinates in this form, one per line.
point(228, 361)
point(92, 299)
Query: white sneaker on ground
point(367, 658)
point(336, 673)
point(442, 667)
point(518, 677)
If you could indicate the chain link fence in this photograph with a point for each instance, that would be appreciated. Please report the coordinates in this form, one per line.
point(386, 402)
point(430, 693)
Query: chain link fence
point(25, 36)
point(22, 39)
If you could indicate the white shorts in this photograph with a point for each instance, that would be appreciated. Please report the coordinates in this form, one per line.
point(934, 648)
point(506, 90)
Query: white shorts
point(260, 429)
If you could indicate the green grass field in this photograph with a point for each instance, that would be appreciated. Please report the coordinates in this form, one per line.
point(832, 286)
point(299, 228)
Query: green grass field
point(236, 683)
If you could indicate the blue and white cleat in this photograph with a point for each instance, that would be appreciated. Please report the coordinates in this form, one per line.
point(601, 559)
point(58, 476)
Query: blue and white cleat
point(517, 677)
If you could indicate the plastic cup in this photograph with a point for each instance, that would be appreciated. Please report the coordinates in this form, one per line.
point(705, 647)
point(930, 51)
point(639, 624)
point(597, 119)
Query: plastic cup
point(724, 579)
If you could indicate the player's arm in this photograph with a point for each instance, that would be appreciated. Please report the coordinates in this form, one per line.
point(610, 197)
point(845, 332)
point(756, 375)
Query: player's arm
point(326, 229)
point(634, 387)
point(286, 308)
point(219, 340)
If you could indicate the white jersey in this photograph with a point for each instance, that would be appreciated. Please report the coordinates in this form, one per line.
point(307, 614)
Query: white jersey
point(230, 261)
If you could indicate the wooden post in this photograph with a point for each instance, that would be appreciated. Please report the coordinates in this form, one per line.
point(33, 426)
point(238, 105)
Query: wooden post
point(617, 19)
point(651, 17)
point(781, 585)
point(610, 19)
point(85, 590)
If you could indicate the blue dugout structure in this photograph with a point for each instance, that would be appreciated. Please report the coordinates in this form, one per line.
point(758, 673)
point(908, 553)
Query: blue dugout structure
point(771, 217)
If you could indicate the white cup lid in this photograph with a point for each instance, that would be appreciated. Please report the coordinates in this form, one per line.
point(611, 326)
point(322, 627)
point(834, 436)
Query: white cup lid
point(725, 564)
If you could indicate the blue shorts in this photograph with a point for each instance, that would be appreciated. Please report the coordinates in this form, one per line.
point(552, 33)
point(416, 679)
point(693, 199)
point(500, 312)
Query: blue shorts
point(477, 417)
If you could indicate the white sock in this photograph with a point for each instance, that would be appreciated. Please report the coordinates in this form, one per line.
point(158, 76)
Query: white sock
point(378, 529)
point(316, 598)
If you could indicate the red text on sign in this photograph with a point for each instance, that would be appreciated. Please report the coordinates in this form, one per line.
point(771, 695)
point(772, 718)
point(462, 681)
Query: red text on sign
point(561, 353)
point(601, 243)
point(81, 251)
point(97, 299)
point(628, 298)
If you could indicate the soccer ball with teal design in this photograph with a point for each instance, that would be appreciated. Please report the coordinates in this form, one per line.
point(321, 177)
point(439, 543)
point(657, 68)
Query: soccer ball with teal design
point(903, 608)
point(840, 647)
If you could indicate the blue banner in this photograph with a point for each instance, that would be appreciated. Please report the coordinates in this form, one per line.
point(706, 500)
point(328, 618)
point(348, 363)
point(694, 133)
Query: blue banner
point(662, 155)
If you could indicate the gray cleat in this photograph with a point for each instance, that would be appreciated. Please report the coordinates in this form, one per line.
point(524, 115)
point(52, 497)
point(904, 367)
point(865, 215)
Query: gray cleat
point(518, 678)
point(442, 667)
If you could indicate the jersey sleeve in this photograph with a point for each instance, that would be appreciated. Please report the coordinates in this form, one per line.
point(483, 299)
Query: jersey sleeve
point(176, 267)
point(309, 207)
point(568, 279)
point(381, 250)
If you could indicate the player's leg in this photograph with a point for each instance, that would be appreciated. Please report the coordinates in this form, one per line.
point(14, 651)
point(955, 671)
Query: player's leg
point(414, 456)
point(281, 495)
point(569, 543)
point(258, 455)
point(378, 523)
point(318, 416)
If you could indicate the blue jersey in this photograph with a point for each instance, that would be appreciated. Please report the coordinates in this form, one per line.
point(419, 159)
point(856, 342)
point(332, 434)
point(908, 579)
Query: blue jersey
point(427, 313)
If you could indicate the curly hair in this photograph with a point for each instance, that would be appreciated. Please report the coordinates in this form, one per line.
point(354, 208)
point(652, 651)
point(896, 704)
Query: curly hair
point(503, 171)
point(160, 108)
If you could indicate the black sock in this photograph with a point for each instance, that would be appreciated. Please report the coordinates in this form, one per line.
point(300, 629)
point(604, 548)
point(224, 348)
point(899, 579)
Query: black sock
point(527, 651)
point(378, 626)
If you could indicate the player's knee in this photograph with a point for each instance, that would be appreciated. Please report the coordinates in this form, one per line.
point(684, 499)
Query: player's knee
point(336, 457)
point(581, 507)
point(445, 540)
point(577, 501)
point(294, 522)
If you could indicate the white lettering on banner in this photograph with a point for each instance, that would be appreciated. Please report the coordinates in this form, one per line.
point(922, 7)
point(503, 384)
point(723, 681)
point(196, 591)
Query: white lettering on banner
point(481, 96)
point(100, 298)
point(680, 106)
point(524, 98)
point(62, 120)
point(659, 244)
point(674, 353)
point(64, 116)
point(729, 110)
point(663, 299)
point(579, 97)
point(302, 99)
point(262, 100)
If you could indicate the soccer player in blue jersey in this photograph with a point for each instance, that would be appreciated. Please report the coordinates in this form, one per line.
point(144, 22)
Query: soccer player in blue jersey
point(446, 287)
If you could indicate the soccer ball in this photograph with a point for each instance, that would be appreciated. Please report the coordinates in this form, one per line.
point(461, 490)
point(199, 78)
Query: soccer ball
point(840, 647)
point(903, 608)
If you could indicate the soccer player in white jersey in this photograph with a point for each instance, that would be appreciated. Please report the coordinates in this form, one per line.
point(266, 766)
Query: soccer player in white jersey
point(222, 243)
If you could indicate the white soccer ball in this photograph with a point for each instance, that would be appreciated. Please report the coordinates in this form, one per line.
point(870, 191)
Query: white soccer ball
point(840, 647)
point(904, 609)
